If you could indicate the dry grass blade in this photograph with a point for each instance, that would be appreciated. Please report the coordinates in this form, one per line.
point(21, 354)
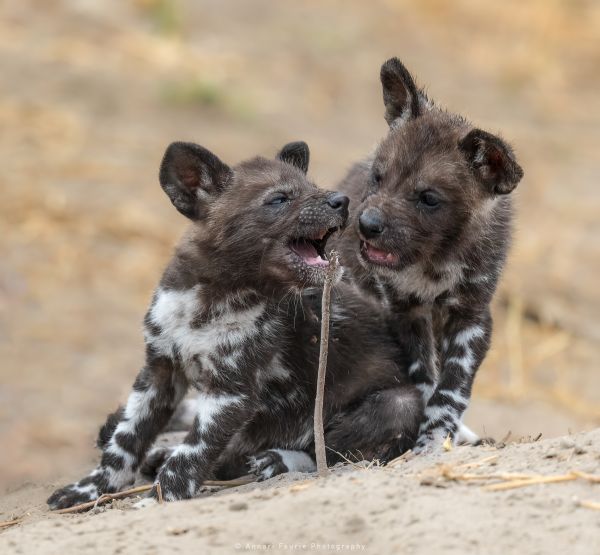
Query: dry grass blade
point(507, 480)
point(479, 462)
point(346, 459)
point(320, 454)
point(448, 445)
point(594, 479)
point(450, 474)
point(159, 493)
point(594, 505)
point(532, 481)
point(406, 456)
point(12, 522)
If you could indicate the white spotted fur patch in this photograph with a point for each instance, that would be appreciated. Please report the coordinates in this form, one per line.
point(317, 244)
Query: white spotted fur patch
point(174, 311)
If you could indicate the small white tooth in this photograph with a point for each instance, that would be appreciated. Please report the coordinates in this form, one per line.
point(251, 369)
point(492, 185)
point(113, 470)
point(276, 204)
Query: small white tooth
point(389, 256)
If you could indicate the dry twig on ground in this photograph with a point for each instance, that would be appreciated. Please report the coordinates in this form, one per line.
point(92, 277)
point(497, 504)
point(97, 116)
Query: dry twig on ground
point(242, 480)
point(12, 522)
point(104, 498)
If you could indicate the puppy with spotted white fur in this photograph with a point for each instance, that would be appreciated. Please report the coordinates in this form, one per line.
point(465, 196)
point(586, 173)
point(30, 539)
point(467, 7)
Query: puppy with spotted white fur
point(215, 323)
point(236, 317)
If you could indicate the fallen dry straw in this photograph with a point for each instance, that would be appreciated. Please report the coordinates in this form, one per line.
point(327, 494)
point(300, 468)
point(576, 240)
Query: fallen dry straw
point(594, 505)
point(530, 481)
point(505, 480)
point(539, 479)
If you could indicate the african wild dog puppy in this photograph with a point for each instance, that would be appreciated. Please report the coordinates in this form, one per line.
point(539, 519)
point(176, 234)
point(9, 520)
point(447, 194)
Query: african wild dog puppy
point(370, 403)
point(429, 235)
point(217, 318)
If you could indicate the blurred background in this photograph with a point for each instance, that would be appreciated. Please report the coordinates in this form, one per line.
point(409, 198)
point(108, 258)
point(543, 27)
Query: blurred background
point(92, 91)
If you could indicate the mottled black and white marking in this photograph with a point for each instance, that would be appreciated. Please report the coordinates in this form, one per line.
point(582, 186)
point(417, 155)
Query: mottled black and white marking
point(258, 232)
point(228, 320)
point(429, 233)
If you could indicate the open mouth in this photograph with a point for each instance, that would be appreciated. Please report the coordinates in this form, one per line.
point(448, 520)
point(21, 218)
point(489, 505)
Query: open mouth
point(377, 256)
point(311, 250)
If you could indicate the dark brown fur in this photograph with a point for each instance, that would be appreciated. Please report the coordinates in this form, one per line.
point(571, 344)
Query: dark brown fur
point(428, 236)
point(226, 319)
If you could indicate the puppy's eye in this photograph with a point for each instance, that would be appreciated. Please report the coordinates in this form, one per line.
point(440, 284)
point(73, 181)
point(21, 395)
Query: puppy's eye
point(277, 198)
point(376, 177)
point(429, 199)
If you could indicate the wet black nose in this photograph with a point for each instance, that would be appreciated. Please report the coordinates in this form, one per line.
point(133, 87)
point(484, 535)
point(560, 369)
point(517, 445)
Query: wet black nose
point(338, 202)
point(371, 222)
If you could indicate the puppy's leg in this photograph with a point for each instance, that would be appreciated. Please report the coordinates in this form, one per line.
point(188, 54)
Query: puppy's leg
point(218, 417)
point(278, 461)
point(467, 340)
point(128, 433)
point(382, 426)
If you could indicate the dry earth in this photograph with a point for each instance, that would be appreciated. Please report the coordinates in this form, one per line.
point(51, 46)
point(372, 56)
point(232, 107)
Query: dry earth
point(424, 505)
point(92, 91)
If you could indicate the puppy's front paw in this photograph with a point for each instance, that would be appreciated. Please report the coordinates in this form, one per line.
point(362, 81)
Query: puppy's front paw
point(154, 460)
point(178, 479)
point(88, 489)
point(267, 464)
point(433, 441)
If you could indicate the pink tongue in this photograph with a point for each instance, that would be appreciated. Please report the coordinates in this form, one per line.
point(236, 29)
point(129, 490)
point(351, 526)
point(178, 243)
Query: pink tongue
point(309, 254)
point(380, 256)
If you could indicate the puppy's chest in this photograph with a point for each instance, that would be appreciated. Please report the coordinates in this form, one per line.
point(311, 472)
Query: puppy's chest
point(224, 337)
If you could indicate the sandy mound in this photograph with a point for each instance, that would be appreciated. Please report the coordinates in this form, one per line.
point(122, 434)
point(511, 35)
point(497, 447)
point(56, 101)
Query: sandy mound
point(408, 508)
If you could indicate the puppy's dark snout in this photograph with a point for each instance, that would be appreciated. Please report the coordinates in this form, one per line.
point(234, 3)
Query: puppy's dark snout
point(339, 202)
point(371, 223)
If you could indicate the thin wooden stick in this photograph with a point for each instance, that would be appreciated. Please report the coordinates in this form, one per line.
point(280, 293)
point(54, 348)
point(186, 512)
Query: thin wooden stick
point(103, 499)
point(12, 522)
point(159, 493)
point(318, 421)
point(242, 480)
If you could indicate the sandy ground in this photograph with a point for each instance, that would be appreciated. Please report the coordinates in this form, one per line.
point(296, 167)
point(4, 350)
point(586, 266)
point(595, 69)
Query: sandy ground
point(422, 505)
point(92, 92)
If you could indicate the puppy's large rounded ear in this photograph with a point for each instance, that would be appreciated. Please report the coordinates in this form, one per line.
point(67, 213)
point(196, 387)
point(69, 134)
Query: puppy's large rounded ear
point(297, 154)
point(400, 94)
point(492, 161)
point(192, 177)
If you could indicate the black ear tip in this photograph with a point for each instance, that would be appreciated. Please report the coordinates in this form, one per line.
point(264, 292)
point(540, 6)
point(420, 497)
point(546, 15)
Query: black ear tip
point(177, 146)
point(392, 67)
point(296, 153)
point(296, 146)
